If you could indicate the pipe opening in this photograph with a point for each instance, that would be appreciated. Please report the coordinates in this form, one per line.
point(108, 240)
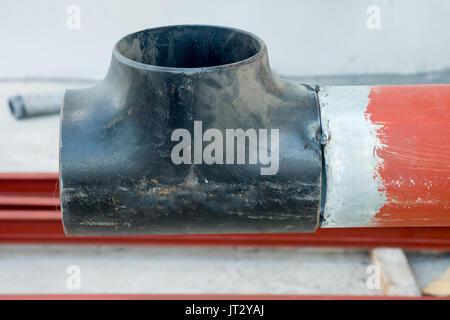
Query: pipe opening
point(17, 106)
point(11, 107)
point(189, 46)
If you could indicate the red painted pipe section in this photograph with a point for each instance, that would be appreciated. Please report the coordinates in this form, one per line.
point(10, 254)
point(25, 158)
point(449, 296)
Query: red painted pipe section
point(414, 129)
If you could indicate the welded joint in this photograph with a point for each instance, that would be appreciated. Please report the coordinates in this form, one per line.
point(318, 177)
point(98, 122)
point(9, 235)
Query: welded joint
point(354, 195)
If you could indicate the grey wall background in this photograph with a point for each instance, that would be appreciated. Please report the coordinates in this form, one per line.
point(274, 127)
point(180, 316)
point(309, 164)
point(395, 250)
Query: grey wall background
point(306, 37)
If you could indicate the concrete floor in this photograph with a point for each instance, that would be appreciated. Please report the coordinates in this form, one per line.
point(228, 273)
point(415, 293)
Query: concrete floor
point(199, 270)
point(185, 270)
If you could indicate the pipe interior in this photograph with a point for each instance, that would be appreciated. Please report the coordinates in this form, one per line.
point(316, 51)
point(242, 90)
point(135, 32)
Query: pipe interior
point(189, 46)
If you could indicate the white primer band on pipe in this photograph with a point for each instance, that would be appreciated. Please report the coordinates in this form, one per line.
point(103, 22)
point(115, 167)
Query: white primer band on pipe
point(354, 192)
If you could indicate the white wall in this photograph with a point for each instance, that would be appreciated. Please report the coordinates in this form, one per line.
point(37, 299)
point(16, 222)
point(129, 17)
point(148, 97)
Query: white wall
point(304, 37)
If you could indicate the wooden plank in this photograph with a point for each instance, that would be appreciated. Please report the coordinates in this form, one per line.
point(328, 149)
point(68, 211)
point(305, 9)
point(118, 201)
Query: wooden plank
point(397, 278)
point(439, 287)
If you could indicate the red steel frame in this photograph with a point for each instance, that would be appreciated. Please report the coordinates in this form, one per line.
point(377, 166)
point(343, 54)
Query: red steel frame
point(28, 227)
point(29, 213)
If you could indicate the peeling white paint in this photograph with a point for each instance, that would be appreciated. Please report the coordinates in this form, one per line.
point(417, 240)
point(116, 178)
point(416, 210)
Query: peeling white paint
point(355, 193)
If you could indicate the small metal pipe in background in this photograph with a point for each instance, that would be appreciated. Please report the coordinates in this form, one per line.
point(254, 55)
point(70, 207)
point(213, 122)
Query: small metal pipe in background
point(36, 104)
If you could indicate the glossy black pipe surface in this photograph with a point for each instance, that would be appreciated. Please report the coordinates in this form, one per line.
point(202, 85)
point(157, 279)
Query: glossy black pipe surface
point(190, 133)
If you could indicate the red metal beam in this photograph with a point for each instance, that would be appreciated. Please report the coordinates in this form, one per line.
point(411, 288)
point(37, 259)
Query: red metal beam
point(26, 183)
point(37, 191)
point(29, 227)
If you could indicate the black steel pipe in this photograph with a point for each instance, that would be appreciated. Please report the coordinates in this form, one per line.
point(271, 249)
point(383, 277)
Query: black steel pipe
point(156, 147)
